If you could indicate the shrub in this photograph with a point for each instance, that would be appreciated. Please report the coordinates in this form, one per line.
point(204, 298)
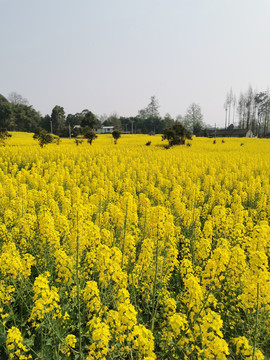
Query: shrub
point(3, 136)
point(90, 135)
point(176, 134)
point(43, 137)
point(116, 135)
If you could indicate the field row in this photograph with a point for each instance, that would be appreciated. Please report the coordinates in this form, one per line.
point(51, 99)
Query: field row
point(130, 251)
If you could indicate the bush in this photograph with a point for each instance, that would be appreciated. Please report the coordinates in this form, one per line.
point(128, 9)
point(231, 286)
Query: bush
point(78, 140)
point(90, 135)
point(3, 136)
point(116, 135)
point(176, 135)
point(43, 137)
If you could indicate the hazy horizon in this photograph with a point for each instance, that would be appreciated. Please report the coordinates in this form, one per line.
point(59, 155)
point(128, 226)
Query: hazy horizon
point(112, 56)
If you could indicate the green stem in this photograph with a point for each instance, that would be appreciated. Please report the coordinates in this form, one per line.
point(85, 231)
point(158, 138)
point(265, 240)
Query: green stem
point(78, 288)
point(56, 333)
point(256, 323)
point(99, 211)
point(193, 227)
point(154, 286)
point(124, 236)
point(144, 225)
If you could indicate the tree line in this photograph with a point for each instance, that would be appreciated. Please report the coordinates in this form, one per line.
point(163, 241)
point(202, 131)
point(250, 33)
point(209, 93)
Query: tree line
point(17, 115)
point(251, 111)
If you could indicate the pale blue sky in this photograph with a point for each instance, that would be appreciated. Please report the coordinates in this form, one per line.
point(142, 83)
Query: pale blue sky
point(113, 55)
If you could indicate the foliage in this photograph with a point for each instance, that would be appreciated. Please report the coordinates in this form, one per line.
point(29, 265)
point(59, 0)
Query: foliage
point(4, 135)
point(193, 119)
point(43, 137)
point(18, 116)
point(56, 139)
point(113, 120)
point(79, 140)
point(3, 99)
point(88, 119)
point(73, 120)
point(25, 118)
point(252, 109)
point(57, 120)
point(45, 123)
point(90, 135)
point(151, 115)
point(151, 111)
point(116, 134)
point(176, 135)
point(5, 115)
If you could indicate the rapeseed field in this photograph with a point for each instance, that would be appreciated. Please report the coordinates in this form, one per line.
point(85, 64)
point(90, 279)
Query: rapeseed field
point(130, 251)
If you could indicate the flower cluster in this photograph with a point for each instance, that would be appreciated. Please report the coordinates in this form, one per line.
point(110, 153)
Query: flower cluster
point(46, 300)
point(139, 252)
point(15, 345)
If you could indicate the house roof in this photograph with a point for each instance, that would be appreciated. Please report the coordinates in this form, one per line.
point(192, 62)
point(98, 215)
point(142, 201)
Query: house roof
point(227, 133)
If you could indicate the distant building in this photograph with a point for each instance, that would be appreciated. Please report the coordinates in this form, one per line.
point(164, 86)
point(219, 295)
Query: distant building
point(106, 129)
point(227, 133)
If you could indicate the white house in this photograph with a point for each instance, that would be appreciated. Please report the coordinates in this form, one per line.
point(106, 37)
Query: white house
point(106, 129)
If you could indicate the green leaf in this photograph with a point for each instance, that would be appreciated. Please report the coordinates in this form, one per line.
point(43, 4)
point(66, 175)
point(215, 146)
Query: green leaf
point(2, 339)
point(30, 341)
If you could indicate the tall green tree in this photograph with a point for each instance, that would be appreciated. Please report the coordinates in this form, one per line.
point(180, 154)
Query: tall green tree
point(45, 123)
point(167, 121)
point(113, 120)
point(17, 115)
point(25, 118)
point(73, 119)
point(58, 120)
point(130, 123)
point(5, 115)
point(194, 119)
point(150, 116)
point(88, 119)
point(73, 124)
point(151, 109)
